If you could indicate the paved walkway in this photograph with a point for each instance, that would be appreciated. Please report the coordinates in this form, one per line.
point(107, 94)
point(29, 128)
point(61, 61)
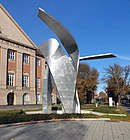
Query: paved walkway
point(23, 107)
point(68, 130)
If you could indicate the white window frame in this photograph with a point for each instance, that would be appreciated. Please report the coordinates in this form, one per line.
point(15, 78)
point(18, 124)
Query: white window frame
point(25, 81)
point(10, 79)
point(25, 58)
point(11, 54)
point(38, 97)
point(38, 82)
point(26, 97)
point(38, 62)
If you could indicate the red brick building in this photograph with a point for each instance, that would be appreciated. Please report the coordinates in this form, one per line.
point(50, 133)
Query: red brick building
point(21, 65)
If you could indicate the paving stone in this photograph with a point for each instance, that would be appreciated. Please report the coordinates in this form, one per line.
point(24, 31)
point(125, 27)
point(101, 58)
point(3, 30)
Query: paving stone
point(68, 130)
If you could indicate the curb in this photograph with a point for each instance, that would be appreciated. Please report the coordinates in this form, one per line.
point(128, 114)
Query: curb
point(120, 115)
point(54, 120)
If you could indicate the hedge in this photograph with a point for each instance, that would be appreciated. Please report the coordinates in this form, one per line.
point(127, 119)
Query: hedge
point(15, 118)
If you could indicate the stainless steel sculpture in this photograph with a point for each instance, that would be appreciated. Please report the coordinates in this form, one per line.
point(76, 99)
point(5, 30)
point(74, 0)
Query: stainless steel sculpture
point(61, 69)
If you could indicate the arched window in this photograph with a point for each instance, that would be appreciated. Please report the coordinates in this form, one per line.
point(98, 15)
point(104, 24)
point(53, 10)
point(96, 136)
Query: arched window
point(38, 97)
point(25, 98)
point(10, 98)
point(0, 30)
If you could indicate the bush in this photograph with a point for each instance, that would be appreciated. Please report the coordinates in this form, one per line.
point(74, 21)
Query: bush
point(15, 118)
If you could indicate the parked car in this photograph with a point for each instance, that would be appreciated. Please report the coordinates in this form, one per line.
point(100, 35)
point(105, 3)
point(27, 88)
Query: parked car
point(127, 102)
point(123, 101)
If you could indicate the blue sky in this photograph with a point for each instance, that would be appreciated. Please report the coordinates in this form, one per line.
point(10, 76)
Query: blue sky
point(98, 26)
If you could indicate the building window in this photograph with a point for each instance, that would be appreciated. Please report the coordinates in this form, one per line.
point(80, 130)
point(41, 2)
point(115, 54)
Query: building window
point(11, 55)
point(0, 30)
point(25, 58)
point(25, 81)
point(10, 79)
point(38, 62)
point(38, 97)
point(45, 64)
point(38, 82)
point(26, 97)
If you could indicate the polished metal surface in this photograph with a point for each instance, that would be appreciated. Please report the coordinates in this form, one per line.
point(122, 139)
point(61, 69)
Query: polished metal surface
point(99, 56)
point(63, 74)
point(64, 36)
point(62, 69)
point(46, 91)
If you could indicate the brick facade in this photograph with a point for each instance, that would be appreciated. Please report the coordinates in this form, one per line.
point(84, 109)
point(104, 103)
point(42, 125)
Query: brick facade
point(18, 78)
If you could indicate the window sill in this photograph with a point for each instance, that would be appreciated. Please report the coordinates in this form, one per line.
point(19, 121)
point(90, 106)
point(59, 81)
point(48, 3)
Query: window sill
point(12, 60)
point(26, 88)
point(11, 87)
point(25, 63)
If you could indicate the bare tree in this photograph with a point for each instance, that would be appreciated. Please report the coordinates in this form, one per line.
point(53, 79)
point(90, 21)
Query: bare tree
point(117, 78)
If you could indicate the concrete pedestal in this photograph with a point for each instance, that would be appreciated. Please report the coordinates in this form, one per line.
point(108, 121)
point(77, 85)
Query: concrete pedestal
point(110, 101)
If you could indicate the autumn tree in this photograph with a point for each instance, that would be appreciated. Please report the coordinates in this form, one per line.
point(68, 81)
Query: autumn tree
point(117, 79)
point(87, 82)
point(103, 96)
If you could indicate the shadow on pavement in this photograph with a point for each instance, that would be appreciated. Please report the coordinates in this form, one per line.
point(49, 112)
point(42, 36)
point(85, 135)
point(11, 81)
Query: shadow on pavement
point(65, 130)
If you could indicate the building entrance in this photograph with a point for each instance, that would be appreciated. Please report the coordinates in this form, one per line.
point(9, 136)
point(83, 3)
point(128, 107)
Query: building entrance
point(10, 99)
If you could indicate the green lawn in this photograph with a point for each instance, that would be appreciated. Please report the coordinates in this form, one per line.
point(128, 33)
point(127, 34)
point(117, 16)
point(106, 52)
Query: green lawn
point(108, 110)
point(103, 109)
point(15, 116)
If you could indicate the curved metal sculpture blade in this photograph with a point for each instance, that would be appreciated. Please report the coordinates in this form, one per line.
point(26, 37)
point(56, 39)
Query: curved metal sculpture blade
point(99, 56)
point(46, 91)
point(64, 36)
point(63, 73)
point(63, 70)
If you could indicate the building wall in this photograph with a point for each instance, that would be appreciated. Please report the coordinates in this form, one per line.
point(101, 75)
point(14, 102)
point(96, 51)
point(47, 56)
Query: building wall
point(39, 74)
point(19, 68)
point(12, 37)
point(11, 29)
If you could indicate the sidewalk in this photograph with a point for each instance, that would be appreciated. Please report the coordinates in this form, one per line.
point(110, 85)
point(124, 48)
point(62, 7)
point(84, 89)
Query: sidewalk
point(68, 130)
point(82, 112)
point(23, 107)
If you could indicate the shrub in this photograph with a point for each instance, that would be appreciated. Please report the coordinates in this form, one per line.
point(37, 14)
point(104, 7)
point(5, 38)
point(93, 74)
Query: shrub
point(15, 118)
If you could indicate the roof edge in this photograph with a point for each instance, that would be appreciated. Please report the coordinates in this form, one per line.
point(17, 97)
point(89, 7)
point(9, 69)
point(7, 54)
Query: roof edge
point(16, 42)
point(12, 19)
